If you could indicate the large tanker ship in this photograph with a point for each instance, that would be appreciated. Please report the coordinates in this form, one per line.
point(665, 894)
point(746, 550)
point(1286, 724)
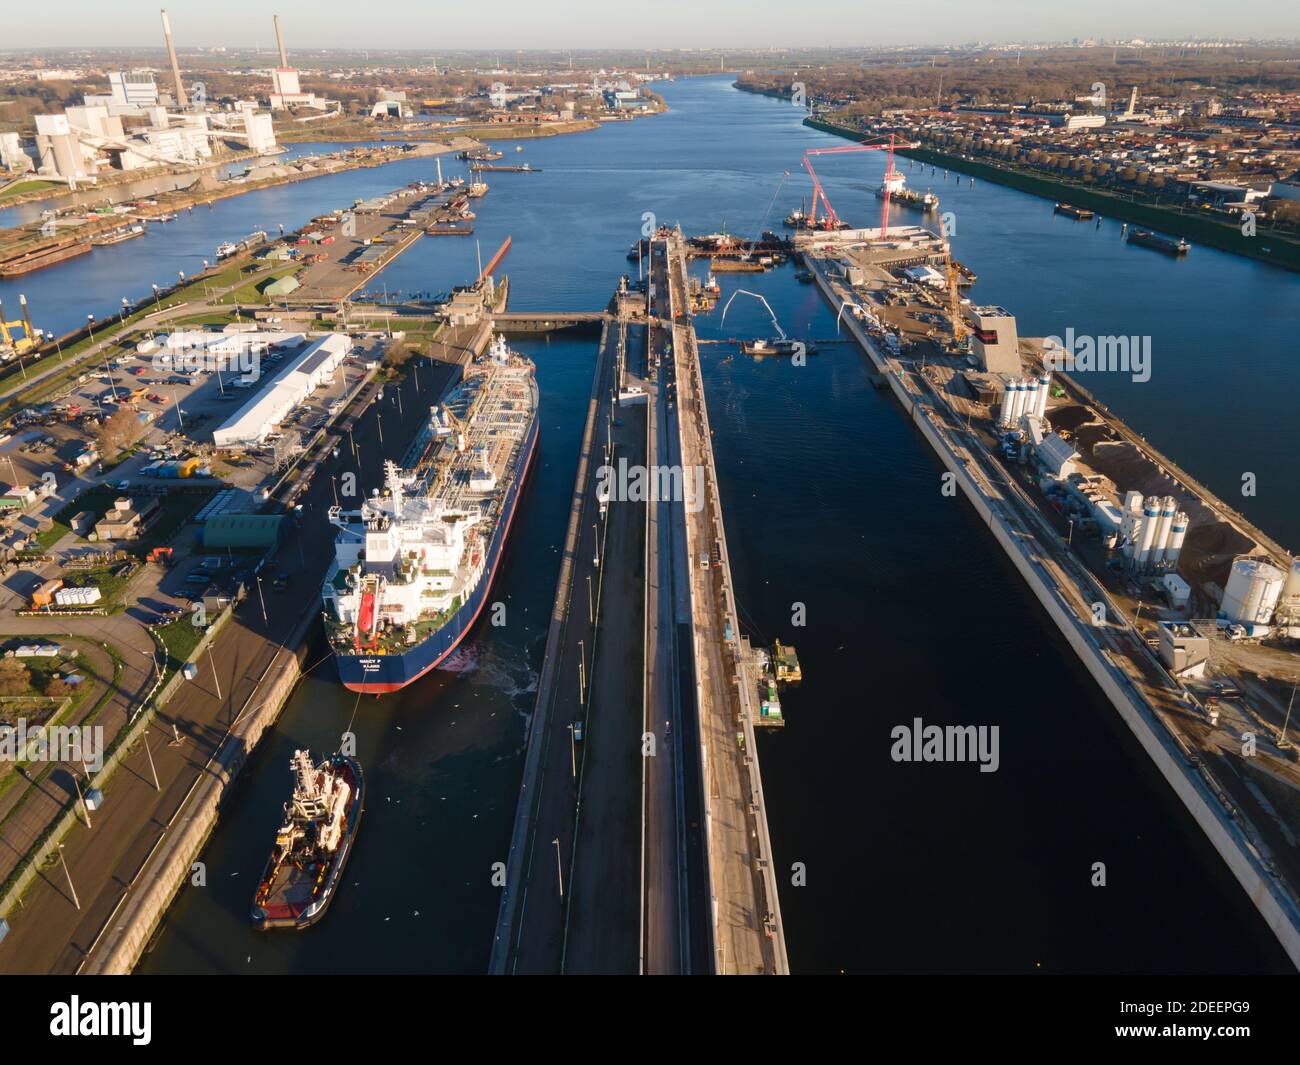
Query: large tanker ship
point(414, 564)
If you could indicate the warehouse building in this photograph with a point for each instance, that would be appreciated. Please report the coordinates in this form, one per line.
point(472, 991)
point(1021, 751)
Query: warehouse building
point(300, 377)
point(225, 343)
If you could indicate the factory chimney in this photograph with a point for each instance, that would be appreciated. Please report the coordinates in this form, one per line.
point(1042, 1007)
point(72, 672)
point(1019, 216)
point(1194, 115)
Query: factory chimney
point(181, 98)
point(279, 40)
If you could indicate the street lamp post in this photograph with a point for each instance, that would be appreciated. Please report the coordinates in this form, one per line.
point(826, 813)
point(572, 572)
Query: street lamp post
point(157, 299)
point(262, 600)
point(81, 795)
point(1281, 739)
point(212, 662)
point(559, 868)
point(75, 901)
point(152, 768)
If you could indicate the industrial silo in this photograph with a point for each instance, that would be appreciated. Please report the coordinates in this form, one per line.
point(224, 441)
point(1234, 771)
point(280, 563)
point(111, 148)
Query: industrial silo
point(1254, 586)
point(1044, 388)
point(1177, 534)
point(1147, 535)
point(1168, 508)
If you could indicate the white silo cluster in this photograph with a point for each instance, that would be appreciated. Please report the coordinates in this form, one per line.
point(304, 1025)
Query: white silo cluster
point(1152, 532)
point(1254, 587)
point(1024, 396)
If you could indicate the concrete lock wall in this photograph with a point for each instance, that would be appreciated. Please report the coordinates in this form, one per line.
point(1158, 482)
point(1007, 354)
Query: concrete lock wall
point(1278, 910)
point(121, 945)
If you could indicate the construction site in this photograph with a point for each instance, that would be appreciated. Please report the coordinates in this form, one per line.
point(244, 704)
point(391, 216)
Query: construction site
point(1187, 614)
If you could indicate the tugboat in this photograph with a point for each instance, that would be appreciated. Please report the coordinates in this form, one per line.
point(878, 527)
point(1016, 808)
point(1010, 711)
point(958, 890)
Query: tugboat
point(776, 347)
point(313, 843)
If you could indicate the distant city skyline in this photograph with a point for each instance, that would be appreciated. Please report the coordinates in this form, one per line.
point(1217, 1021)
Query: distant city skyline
point(524, 24)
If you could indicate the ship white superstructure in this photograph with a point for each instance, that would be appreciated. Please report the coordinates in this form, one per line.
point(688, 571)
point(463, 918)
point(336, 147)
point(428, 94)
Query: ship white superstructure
point(414, 553)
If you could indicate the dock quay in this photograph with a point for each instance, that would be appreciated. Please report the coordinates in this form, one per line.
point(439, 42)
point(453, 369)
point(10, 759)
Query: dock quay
point(537, 903)
point(25, 248)
point(363, 241)
point(165, 797)
point(748, 935)
point(674, 876)
point(1173, 715)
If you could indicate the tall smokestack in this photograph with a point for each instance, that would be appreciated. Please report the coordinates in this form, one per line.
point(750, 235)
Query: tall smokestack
point(279, 40)
point(181, 98)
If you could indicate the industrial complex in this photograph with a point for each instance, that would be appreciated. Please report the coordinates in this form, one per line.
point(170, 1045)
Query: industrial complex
point(690, 601)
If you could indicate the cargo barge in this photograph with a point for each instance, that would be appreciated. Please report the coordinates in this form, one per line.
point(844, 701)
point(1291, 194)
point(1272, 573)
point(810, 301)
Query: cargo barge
point(894, 188)
point(1070, 211)
point(525, 168)
point(740, 266)
point(117, 236)
point(449, 229)
point(38, 260)
point(1146, 239)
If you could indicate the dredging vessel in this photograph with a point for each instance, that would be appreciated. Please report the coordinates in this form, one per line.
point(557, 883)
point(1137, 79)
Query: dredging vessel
point(895, 185)
point(413, 565)
point(312, 845)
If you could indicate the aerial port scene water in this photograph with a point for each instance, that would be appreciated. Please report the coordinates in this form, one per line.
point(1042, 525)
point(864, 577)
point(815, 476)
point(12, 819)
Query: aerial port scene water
point(551, 496)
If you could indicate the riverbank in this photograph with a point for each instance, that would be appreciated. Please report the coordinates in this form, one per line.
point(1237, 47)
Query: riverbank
point(23, 241)
point(1266, 246)
point(490, 132)
point(57, 191)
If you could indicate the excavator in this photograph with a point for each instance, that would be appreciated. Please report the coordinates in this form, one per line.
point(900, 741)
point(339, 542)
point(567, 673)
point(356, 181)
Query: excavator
point(12, 344)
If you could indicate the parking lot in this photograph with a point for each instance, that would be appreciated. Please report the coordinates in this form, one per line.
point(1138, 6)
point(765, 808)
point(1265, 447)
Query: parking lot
point(186, 404)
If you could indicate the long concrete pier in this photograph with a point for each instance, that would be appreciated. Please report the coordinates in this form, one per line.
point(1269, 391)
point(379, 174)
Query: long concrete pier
point(748, 935)
point(532, 924)
point(643, 657)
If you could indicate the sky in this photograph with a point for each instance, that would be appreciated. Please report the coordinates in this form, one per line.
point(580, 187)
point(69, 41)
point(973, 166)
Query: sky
point(524, 24)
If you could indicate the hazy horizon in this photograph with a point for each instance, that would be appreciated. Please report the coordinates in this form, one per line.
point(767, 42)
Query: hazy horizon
point(676, 24)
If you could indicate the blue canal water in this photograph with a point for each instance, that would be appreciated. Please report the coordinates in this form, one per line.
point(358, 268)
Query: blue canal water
point(832, 503)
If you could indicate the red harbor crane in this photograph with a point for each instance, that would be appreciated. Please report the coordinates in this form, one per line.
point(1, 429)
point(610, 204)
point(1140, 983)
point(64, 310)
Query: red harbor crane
point(819, 193)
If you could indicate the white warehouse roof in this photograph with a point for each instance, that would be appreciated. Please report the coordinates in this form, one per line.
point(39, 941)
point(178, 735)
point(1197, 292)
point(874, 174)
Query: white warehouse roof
point(295, 382)
point(183, 340)
point(1056, 455)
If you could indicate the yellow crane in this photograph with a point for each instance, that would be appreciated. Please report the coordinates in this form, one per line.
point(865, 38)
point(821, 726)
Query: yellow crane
point(9, 341)
point(960, 334)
